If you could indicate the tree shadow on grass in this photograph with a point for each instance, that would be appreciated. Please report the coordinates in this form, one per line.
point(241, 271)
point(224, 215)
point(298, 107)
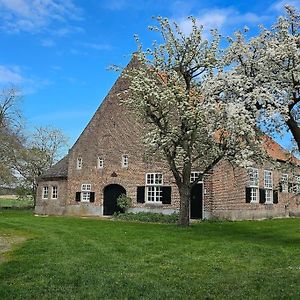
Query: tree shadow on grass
point(271, 232)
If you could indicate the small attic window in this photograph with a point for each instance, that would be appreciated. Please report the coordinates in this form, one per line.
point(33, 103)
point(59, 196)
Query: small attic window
point(79, 163)
point(100, 163)
point(124, 161)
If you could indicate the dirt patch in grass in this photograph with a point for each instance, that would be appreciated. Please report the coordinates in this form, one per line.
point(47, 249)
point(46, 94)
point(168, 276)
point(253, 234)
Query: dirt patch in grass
point(7, 242)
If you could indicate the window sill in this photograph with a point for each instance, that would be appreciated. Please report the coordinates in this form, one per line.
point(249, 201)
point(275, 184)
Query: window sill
point(154, 203)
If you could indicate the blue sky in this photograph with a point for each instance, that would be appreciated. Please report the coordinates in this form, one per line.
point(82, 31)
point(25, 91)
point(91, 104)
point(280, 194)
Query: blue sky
point(58, 51)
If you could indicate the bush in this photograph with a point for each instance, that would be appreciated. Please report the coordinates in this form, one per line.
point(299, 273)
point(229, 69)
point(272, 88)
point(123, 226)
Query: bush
point(124, 202)
point(148, 217)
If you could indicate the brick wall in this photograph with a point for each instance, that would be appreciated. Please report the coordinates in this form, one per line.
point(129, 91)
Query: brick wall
point(52, 206)
point(229, 196)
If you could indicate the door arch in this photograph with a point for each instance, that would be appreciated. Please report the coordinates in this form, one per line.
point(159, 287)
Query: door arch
point(111, 194)
point(197, 201)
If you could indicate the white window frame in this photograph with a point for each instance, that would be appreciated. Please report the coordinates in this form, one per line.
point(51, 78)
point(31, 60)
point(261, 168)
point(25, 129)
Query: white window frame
point(86, 192)
point(54, 192)
point(285, 183)
point(125, 161)
point(253, 183)
point(79, 163)
point(154, 183)
point(195, 175)
point(295, 186)
point(45, 194)
point(268, 185)
point(100, 162)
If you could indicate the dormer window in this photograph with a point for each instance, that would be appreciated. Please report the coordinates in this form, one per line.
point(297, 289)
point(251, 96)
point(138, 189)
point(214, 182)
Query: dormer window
point(100, 163)
point(79, 163)
point(124, 161)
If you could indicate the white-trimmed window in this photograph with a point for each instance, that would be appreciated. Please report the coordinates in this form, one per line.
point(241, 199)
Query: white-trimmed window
point(295, 185)
point(100, 163)
point(154, 182)
point(285, 183)
point(268, 185)
point(45, 192)
point(194, 176)
point(54, 193)
point(253, 183)
point(268, 181)
point(86, 192)
point(79, 163)
point(124, 161)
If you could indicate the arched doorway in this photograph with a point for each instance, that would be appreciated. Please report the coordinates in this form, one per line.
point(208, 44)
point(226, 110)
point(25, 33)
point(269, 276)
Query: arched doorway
point(111, 194)
point(197, 201)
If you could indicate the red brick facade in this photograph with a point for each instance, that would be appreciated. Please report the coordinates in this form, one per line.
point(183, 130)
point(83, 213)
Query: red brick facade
point(114, 132)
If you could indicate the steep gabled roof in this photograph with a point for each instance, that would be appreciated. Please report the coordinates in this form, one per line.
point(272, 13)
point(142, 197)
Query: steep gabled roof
point(57, 171)
point(277, 152)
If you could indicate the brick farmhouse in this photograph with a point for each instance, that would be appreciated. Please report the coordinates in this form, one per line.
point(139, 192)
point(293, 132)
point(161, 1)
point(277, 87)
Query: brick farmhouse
point(109, 159)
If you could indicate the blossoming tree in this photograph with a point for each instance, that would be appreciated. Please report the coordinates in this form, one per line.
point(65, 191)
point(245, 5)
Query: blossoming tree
point(264, 74)
point(171, 91)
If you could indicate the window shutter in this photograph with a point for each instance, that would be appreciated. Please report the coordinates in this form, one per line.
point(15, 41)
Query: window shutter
point(140, 194)
point(166, 195)
point(78, 196)
point(275, 196)
point(262, 196)
point(248, 195)
point(92, 197)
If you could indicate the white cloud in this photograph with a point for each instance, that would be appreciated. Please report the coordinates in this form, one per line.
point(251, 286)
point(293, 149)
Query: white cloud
point(48, 43)
point(279, 5)
point(36, 15)
point(222, 19)
point(10, 75)
point(116, 4)
point(13, 75)
point(97, 46)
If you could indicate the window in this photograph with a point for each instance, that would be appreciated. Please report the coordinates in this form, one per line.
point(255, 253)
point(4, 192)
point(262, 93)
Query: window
point(154, 182)
point(79, 163)
point(100, 163)
point(54, 192)
point(253, 183)
point(268, 184)
point(86, 192)
point(45, 192)
point(285, 183)
point(194, 176)
point(124, 161)
point(253, 177)
point(295, 186)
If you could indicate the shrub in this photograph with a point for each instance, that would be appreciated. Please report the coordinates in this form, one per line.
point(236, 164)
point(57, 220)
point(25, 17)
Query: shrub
point(124, 202)
point(148, 217)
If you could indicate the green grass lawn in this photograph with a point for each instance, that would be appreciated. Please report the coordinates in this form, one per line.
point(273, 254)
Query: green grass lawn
point(74, 258)
point(15, 203)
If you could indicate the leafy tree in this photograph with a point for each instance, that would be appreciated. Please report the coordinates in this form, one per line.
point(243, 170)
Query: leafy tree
point(264, 74)
point(25, 157)
point(11, 135)
point(171, 91)
point(42, 150)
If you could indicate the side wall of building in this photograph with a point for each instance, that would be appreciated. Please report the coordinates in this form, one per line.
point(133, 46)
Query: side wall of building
point(50, 206)
point(229, 195)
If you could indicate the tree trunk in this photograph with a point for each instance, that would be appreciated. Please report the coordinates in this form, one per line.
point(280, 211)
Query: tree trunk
point(184, 215)
point(295, 130)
